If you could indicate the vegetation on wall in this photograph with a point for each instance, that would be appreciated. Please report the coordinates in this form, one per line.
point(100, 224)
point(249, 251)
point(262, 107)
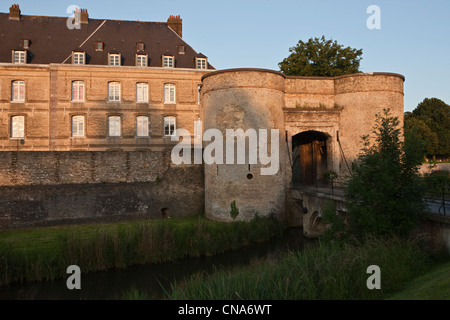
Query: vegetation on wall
point(321, 57)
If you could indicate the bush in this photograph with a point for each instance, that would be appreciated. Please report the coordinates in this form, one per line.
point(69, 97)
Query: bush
point(384, 194)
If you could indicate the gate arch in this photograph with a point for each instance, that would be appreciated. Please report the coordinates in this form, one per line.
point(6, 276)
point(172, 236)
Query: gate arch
point(310, 158)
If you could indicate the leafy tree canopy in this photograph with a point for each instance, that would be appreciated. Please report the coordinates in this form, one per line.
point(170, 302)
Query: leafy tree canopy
point(321, 57)
point(435, 114)
point(418, 127)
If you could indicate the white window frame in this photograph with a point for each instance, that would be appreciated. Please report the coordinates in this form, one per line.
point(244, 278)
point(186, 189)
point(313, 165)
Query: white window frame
point(141, 60)
point(169, 93)
point(78, 91)
point(142, 92)
point(18, 91)
point(201, 63)
point(19, 57)
point(114, 126)
point(78, 58)
point(114, 59)
point(170, 126)
point(114, 91)
point(78, 126)
point(142, 126)
point(17, 127)
point(168, 61)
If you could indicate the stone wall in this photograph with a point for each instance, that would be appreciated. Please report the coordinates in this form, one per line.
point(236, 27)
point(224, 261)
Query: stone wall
point(41, 188)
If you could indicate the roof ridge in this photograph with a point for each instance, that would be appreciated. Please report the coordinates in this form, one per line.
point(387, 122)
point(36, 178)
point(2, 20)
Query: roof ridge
point(99, 19)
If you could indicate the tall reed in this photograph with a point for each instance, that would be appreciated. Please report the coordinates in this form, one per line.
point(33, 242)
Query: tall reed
point(329, 271)
point(123, 244)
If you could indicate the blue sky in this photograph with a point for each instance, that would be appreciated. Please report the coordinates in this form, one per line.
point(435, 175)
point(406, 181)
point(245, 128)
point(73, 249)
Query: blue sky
point(414, 39)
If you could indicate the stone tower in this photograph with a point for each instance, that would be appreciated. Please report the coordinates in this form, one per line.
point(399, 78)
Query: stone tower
point(247, 99)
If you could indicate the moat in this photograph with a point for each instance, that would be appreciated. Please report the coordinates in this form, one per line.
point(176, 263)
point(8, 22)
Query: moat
point(150, 279)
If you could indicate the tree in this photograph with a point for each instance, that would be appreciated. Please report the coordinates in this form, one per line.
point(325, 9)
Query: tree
point(435, 113)
point(416, 126)
point(384, 194)
point(321, 57)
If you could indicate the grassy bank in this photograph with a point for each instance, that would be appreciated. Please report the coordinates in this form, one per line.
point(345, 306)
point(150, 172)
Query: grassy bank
point(329, 271)
point(45, 253)
point(433, 285)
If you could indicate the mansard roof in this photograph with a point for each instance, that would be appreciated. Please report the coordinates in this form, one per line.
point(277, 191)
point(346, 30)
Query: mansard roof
point(53, 42)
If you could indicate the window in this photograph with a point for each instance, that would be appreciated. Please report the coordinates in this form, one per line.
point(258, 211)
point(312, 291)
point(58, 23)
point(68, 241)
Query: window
point(26, 43)
point(140, 46)
point(17, 127)
point(77, 91)
point(169, 93)
point(142, 126)
point(78, 126)
point(114, 126)
point(168, 62)
point(199, 89)
point(18, 91)
point(201, 63)
point(141, 60)
point(141, 92)
point(114, 59)
point(113, 91)
point(19, 57)
point(169, 126)
point(78, 58)
point(181, 49)
point(98, 46)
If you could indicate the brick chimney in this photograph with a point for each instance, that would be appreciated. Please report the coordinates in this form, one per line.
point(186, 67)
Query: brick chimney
point(84, 16)
point(14, 12)
point(176, 24)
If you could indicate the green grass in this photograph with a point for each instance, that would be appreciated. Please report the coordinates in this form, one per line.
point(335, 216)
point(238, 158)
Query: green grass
point(433, 285)
point(330, 271)
point(45, 253)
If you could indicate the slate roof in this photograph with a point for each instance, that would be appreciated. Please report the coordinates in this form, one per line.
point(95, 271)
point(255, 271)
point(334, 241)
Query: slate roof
point(51, 41)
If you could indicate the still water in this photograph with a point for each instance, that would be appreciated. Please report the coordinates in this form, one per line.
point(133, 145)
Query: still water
point(151, 278)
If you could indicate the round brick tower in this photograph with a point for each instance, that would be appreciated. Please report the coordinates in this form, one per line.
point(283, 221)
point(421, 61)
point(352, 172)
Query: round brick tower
point(251, 100)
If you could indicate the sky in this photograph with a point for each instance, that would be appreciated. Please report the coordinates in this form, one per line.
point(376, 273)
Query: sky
point(413, 39)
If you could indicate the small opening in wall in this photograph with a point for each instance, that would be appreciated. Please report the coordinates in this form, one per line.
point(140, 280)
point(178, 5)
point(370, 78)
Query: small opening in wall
point(249, 176)
point(165, 212)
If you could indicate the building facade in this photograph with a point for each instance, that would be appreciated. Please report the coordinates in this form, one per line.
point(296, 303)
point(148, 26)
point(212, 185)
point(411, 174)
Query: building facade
point(95, 84)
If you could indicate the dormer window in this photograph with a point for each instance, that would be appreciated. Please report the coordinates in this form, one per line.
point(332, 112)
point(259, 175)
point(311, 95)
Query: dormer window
point(141, 60)
point(114, 59)
point(140, 46)
point(78, 58)
point(98, 46)
point(181, 49)
point(19, 57)
point(168, 61)
point(201, 63)
point(26, 44)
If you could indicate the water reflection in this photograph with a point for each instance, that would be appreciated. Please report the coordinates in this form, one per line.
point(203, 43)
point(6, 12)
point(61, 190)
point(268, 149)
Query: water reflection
point(149, 278)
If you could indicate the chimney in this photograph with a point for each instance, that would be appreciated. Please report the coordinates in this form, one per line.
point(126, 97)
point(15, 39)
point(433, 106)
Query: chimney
point(176, 24)
point(84, 16)
point(14, 12)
